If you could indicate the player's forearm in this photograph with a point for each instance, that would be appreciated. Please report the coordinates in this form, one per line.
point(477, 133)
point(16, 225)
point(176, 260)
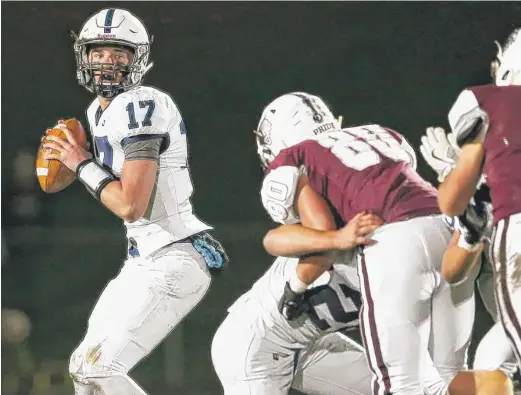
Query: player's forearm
point(116, 200)
point(455, 193)
point(312, 267)
point(129, 196)
point(297, 240)
point(458, 188)
point(457, 261)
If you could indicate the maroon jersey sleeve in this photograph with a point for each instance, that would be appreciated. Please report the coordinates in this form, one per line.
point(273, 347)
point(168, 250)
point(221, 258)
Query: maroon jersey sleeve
point(502, 146)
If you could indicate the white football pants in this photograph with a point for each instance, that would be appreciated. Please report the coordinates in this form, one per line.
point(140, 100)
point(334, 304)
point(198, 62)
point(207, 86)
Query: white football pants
point(135, 312)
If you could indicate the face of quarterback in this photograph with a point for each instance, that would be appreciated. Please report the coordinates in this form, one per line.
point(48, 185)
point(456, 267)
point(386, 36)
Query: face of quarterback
point(109, 63)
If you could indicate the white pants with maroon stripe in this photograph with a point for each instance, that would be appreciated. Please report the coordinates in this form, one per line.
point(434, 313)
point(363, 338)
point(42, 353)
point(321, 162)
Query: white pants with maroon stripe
point(494, 350)
point(506, 257)
point(415, 327)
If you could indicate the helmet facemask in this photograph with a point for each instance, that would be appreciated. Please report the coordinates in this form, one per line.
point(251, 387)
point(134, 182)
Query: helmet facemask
point(263, 138)
point(132, 73)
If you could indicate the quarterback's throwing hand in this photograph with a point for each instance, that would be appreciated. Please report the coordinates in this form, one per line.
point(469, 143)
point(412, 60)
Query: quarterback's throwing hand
point(70, 153)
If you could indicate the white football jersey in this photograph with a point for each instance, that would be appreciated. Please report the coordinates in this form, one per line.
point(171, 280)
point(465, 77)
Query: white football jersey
point(145, 111)
point(333, 299)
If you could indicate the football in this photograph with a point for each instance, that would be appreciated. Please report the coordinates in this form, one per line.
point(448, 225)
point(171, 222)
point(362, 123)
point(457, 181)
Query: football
point(54, 176)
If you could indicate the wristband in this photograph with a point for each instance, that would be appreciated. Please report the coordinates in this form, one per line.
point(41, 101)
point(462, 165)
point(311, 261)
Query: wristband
point(94, 177)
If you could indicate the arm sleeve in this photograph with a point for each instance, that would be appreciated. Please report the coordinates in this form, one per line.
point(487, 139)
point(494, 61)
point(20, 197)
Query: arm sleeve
point(143, 147)
point(278, 194)
point(467, 120)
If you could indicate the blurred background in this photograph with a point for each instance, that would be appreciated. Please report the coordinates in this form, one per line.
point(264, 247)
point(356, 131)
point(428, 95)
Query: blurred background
point(398, 64)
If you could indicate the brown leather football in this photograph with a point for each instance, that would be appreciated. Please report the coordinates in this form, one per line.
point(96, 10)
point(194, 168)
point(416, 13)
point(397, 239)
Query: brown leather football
point(54, 176)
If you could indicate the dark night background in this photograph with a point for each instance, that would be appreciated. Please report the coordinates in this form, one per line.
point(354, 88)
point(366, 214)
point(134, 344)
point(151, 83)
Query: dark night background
point(397, 64)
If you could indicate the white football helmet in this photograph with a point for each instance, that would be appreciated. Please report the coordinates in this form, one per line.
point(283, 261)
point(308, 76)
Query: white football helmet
point(506, 68)
point(117, 27)
point(289, 120)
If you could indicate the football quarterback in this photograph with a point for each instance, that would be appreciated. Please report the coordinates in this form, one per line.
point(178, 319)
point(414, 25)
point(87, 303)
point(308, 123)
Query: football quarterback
point(139, 171)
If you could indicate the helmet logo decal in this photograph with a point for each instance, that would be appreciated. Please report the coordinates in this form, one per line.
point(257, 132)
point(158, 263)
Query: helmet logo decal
point(108, 20)
point(324, 128)
point(265, 131)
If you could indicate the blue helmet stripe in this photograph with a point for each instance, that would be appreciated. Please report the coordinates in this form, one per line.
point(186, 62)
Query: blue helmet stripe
point(108, 20)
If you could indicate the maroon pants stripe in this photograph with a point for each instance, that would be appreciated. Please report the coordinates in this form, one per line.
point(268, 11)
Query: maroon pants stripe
point(370, 325)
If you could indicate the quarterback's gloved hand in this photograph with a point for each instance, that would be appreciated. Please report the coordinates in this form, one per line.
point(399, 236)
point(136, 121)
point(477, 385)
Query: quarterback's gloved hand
point(291, 305)
point(438, 151)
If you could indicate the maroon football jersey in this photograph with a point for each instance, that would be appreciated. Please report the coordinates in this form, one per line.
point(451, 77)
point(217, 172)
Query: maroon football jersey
point(502, 165)
point(363, 168)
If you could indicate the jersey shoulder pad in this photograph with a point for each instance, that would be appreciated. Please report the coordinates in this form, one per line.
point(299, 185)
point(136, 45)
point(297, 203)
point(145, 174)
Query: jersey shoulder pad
point(467, 119)
point(465, 102)
point(278, 194)
point(146, 111)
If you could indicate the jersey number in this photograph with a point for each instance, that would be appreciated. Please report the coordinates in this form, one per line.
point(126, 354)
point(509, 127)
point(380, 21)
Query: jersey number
point(150, 105)
point(324, 295)
point(359, 148)
point(105, 152)
point(279, 192)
